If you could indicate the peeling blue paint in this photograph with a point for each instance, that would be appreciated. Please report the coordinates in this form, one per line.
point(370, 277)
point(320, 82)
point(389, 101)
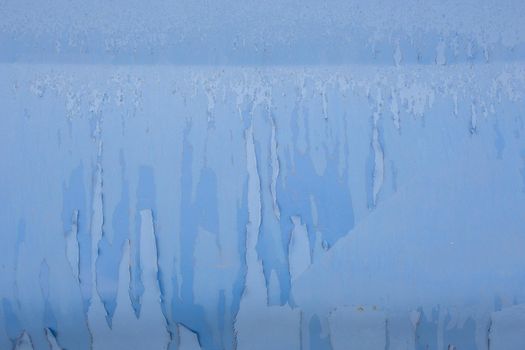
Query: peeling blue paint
point(224, 178)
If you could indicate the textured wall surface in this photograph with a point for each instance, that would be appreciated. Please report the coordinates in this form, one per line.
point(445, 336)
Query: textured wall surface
point(262, 175)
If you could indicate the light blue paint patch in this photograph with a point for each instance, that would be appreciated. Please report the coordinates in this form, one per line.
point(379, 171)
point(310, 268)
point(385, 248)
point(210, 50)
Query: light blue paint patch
point(20, 234)
point(498, 306)
point(387, 335)
point(522, 170)
point(193, 318)
point(221, 314)
point(372, 166)
point(270, 246)
point(162, 287)
point(106, 274)
point(74, 198)
point(205, 207)
point(49, 317)
point(369, 178)
point(145, 200)
point(394, 176)
point(427, 330)
point(335, 215)
point(499, 140)
point(463, 337)
point(13, 327)
point(188, 231)
point(110, 253)
point(239, 283)
point(200, 212)
point(426, 49)
point(317, 340)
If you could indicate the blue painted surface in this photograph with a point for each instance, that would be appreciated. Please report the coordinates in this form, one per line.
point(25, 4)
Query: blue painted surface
point(161, 159)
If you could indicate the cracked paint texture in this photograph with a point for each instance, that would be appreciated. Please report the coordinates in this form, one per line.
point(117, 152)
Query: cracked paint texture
point(349, 177)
